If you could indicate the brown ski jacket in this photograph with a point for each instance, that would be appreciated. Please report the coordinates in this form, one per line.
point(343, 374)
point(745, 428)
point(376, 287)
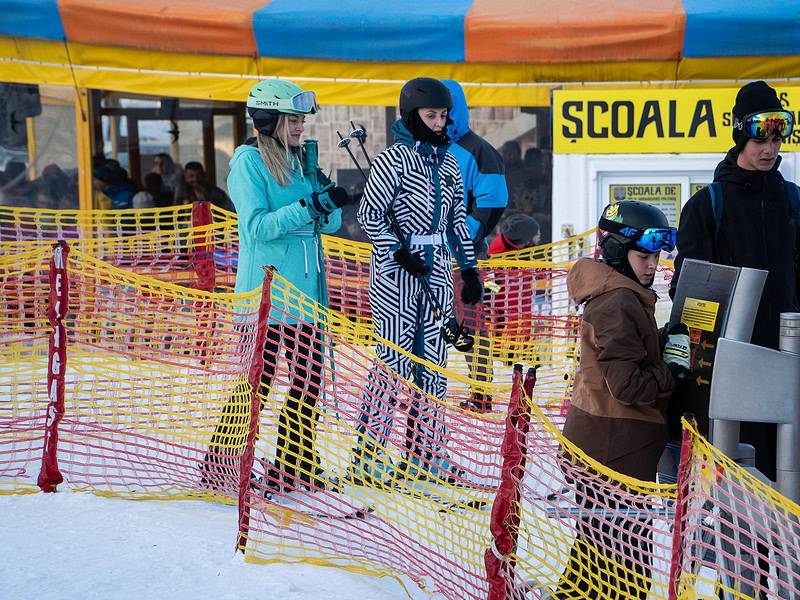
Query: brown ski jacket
point(622, 387)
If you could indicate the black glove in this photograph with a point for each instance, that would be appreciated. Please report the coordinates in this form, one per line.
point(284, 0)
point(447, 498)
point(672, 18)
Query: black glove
point(472, 290)
point(412, 264)
point(327, 201)
point(677, 354)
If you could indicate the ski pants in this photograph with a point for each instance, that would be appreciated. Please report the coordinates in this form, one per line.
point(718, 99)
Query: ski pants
point(402, 314)
point(296, 456)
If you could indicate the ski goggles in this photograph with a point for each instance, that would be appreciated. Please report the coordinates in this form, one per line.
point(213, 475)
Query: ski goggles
point(651, 239)
point(765, 124)
point(304, 102)
point(657, 239)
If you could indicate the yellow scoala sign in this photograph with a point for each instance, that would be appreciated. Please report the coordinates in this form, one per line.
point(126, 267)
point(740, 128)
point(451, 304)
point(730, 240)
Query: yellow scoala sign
point(652, 121)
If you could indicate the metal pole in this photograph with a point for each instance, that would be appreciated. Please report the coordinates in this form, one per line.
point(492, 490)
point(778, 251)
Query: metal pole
point(788, 445)
point(739, 327)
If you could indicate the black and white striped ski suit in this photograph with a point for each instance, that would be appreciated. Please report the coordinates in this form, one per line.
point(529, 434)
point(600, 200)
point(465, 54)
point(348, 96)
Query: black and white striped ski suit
point(422, 186)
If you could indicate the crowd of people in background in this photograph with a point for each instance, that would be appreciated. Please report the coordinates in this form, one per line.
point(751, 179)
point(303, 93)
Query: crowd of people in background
point(167, 184)
point(53, 188)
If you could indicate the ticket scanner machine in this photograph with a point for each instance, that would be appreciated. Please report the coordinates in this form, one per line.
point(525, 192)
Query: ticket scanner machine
point(733, 380)
point(752, 383)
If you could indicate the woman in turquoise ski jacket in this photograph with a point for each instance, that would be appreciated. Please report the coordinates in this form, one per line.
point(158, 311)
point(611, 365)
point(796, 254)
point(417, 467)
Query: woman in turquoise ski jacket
point(284, 204)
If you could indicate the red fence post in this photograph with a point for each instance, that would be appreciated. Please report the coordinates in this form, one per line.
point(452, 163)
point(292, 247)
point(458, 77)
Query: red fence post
point(680, 510)
point(202, 255)
point(203, 248)
point(254, 378)
point(505, 517)
point(58, 305)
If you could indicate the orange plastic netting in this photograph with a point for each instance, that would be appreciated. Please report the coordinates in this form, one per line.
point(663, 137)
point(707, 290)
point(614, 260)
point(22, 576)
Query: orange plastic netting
point(266, 400)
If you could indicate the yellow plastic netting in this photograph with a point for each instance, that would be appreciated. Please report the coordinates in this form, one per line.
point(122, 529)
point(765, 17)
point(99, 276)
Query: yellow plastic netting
point(739, 537)
point(24, 334)
point(160, 403)
point(192, 244)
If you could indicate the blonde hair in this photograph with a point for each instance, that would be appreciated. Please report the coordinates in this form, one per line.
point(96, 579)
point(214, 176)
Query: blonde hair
point(274, 151)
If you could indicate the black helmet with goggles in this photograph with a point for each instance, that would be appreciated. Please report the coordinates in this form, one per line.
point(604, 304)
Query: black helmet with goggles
point(631, 225)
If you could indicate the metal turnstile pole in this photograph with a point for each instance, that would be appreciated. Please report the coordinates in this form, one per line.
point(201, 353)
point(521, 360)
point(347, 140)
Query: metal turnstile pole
point(788, 448)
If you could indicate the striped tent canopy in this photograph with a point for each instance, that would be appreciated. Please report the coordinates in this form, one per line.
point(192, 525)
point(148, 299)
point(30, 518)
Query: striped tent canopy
point(507, 52)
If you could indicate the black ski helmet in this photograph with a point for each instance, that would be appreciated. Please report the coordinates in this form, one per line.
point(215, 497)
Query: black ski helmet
point(423, 92)
point(620, 228)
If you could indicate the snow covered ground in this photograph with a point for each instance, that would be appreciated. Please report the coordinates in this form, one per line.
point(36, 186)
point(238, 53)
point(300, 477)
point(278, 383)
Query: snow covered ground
point(77, 545)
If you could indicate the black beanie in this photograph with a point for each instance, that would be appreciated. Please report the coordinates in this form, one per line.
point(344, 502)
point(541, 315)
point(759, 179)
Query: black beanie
point(520, 229)
point(754, 97)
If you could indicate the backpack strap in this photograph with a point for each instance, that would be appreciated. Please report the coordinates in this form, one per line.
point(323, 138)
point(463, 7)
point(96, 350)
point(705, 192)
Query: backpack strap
point(715, 190)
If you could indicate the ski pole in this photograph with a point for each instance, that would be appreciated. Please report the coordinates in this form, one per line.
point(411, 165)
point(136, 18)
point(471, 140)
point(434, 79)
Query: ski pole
point(359, 133)
point(426, 288)
point(454, 332)
point(344, 142)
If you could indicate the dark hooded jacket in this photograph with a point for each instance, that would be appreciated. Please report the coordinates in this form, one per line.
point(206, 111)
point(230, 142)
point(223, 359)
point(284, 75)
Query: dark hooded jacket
point(757, 231)
point(618, 410)
point(482, 171)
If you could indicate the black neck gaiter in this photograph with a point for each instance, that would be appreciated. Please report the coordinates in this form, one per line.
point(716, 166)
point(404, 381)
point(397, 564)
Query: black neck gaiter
point(423, 133)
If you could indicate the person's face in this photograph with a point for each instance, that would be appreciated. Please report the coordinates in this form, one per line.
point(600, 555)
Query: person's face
point(295, 126)
point(434, 118)
point(192, 176)
point(158, 165)
point(644, 266)
point(760, 155)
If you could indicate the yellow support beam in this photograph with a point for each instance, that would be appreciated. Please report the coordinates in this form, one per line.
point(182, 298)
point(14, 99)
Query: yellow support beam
point(83, 135)
point(31, 148)
point(363, 83)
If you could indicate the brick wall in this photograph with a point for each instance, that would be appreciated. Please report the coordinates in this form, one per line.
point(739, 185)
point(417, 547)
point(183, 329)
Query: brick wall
point(485, 119)
point(324, 124)
point(496, 124)
point(323, 127)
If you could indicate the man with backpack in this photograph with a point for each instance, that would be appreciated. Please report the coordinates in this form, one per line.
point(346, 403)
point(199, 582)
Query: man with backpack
point(750, 217)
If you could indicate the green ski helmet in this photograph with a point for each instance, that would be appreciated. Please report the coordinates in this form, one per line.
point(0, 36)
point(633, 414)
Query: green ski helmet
point(271, 97)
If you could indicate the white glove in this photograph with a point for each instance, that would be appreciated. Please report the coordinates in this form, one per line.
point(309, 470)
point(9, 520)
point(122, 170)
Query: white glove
point(677, 354)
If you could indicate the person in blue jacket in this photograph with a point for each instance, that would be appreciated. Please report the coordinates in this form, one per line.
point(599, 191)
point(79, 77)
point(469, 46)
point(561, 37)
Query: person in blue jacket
point(485, 198)
point(282, 209)
point(482, 172)
point(113, 181)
